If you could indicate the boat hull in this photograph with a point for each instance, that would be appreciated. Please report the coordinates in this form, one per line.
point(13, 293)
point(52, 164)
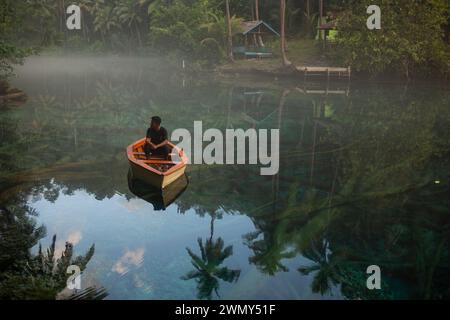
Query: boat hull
point(148, 170)
point(159, 198)
point(158, 181)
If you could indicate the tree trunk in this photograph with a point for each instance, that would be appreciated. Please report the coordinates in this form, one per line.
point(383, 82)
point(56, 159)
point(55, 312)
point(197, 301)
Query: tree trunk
point(211, 235)
point(255, 41)
point(60, 14)
point(308, 16)
point(230, 36)
point(260, 41)
point(308, 9)
point(138, 32)
point(286, 62)
point(320, 18)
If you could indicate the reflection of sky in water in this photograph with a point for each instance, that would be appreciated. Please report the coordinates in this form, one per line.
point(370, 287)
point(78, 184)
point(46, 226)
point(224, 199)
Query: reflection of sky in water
point(141, 253)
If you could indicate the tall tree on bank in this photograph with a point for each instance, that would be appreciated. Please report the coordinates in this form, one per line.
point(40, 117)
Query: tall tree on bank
point(308, 18)
point(321, 36)
point(229, 33)
point(260, 41)
point(286, 62)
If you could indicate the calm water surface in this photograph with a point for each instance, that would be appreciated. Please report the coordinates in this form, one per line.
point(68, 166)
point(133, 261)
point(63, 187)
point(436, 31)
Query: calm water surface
point(363, 180)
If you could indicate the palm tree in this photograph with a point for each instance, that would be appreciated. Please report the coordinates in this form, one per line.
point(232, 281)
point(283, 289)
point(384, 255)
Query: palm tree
point(45, 11)
point(285, 60)
point(127, 14)
point(105, 20)
point(208, 268)
point(215, 30)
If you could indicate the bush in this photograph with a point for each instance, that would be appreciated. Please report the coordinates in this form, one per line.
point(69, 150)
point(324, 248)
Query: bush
point(412, 38)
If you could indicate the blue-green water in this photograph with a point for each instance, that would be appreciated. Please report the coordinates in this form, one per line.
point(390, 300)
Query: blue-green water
point(363, 180)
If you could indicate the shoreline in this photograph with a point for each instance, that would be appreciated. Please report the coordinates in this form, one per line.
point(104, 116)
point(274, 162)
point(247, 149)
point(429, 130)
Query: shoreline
point(235, 71)
point(10, 95)
point(254, 72)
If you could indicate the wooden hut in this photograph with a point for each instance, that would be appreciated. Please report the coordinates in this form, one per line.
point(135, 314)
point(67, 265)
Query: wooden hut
point(250, 38)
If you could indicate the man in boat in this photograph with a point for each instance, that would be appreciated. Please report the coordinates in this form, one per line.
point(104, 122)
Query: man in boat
point(156, 142)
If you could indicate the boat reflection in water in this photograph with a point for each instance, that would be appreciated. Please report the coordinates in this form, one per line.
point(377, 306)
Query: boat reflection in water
point(160, 199)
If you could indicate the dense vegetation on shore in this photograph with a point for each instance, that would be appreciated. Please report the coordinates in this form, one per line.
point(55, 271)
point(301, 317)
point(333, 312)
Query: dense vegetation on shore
point(414, 37)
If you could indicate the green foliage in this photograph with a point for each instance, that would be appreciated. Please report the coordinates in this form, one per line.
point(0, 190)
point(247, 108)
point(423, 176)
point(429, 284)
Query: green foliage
point(214, 46)
point(10, 53)
point(412, 38)
point(176, 27)
point(27, 276)
point(194, 30)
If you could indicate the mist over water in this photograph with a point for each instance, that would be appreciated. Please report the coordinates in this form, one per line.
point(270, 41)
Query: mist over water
point(363, 180)
point(76, 64)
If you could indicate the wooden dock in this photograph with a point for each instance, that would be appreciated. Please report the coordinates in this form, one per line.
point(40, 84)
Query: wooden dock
point(329, 72)
point(325, 92)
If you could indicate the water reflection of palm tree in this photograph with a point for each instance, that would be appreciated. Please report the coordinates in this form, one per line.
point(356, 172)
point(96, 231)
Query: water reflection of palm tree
point(325, 265)
point(268, 251)
point(208, 270)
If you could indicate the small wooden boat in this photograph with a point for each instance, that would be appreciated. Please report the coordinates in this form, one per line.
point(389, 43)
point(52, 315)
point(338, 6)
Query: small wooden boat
point(156, 171)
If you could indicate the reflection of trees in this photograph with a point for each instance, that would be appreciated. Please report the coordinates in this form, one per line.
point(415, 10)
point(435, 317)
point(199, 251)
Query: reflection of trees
point(371, 199)
point(19, 233)
point(327, 273)
point(27, 276)
point(208, 270)
point(383, 206)
point(377, 204)
point(387, 209)
point(268, 251)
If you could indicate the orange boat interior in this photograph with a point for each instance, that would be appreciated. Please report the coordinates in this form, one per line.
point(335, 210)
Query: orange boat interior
point(156, 162)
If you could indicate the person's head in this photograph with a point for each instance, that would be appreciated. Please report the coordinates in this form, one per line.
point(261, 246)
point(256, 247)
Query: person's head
point(155, 123)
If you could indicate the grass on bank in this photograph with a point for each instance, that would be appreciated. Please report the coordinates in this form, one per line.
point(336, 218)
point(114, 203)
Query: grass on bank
point(301, 52)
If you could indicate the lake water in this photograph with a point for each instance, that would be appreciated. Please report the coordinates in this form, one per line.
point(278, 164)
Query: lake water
point(363, 180)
